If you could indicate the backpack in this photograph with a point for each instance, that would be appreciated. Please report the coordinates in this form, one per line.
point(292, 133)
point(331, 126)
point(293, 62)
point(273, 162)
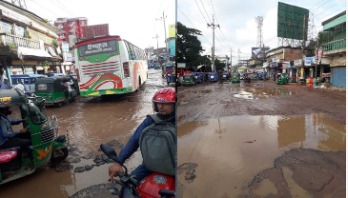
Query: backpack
point(157, 144)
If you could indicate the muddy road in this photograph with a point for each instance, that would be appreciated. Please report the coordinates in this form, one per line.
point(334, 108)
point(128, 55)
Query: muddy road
point(88, 123)
point(261, 140)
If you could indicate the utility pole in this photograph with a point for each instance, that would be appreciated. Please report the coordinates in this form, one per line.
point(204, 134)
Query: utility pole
point(231, 62)
point(213, 26)
point(303, 46)
point(238, 55)
point(156, 37)
point(231, 57)
point(163, 18)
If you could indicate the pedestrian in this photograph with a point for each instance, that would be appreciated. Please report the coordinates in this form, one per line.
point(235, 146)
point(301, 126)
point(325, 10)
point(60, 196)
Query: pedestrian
point(220, 73)
point(8, 137)
point(157, 158)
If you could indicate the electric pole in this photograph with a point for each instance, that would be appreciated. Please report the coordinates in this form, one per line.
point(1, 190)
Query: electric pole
point(231, 57)
point(163, 18)
point(303, 45)
point(213, 26)
point(238, 55)
point(231, 63)
point(156, 37)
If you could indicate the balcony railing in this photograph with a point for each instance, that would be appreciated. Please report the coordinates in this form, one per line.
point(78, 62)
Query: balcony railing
point(16, 41)
point(334, 45)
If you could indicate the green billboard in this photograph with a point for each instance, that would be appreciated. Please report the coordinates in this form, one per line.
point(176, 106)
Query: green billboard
point(292, 22)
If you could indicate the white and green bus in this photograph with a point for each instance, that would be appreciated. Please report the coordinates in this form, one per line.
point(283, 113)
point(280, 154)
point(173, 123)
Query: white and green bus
point(109, 65)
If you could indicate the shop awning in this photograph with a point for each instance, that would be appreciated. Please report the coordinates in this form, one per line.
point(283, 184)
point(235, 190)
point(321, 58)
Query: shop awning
point(51, 51)
point(23, 51)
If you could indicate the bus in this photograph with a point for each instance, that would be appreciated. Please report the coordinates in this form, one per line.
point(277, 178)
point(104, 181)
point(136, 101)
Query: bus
point(109, 65)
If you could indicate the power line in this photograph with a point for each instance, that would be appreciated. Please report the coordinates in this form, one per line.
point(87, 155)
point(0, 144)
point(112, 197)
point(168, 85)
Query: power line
point(205, 10)
point(201, 11)
point(64, 8)
point(193, 25)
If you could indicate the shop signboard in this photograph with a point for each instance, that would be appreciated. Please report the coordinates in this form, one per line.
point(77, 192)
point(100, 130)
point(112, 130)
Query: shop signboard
point(181, 65)
point(298, 63)
point(286, 65)
point(308, 61)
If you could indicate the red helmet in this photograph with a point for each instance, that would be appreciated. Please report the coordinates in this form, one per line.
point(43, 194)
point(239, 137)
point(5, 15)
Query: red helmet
point(165, 95)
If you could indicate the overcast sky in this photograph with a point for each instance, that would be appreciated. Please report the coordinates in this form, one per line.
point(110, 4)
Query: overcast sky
point(238, 27)
point(133, 20)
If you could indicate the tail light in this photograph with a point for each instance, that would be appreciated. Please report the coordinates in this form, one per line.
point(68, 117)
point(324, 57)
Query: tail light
point(126, 69)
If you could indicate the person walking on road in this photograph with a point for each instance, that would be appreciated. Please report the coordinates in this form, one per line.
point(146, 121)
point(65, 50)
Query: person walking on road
point(220, 73)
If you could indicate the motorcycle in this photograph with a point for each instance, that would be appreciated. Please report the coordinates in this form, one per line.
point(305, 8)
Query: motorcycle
point(155, 185)
point(246, 79)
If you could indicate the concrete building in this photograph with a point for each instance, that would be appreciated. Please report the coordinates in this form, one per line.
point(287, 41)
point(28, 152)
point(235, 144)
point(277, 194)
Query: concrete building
point(70, 27)
point(281, 60)
point(28, 43)
point(334, 50)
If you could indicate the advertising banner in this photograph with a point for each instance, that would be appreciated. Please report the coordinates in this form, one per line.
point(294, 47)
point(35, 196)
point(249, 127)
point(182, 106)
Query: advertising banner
point(308, 61)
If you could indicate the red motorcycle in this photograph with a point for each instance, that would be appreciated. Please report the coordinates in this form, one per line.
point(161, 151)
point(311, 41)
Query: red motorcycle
point(156, 185)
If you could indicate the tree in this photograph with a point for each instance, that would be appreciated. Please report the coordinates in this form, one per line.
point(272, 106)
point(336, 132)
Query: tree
point(188, 46)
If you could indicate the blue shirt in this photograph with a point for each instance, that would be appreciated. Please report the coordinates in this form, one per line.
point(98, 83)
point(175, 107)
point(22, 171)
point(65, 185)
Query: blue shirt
point(6, 130)
point(133, 143)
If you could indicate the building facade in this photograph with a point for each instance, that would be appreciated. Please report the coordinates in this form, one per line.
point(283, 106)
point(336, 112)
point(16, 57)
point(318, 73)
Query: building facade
point(334, 49)
point(28, 43)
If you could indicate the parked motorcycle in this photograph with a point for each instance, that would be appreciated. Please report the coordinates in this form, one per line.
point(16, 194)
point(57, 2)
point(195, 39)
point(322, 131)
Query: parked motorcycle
point(246, 78)
point(156, 185)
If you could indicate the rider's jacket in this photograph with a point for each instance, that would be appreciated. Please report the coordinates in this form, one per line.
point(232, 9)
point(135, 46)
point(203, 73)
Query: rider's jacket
point(133, 143)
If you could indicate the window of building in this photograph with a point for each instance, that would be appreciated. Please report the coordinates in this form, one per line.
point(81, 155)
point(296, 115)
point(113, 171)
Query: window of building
point(6, 27)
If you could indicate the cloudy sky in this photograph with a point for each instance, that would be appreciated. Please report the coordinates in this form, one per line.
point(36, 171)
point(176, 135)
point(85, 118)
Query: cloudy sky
point(238, 27)
point(134, 20)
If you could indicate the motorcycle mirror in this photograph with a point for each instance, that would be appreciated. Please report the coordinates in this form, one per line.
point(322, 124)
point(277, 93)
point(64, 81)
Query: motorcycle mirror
point(110, 152)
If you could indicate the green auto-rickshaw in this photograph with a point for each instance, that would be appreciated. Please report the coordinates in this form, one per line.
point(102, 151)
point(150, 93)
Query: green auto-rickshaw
point(188, 79)
point(46, 146)
point(283, 79)
point(235, 78)
point(56, 90)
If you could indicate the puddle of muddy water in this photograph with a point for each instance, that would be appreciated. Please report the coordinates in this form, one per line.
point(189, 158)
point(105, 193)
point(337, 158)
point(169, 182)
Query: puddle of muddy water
point(227, 152)
point(89, 122)
point(259, 93)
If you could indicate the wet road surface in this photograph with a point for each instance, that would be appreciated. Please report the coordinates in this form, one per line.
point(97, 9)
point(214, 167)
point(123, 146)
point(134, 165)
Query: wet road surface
point(88, 123)
point(249, 141)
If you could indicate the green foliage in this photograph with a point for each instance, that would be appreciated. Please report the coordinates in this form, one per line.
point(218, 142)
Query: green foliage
point(55, 43)
point(219, 65)
point(188, 46)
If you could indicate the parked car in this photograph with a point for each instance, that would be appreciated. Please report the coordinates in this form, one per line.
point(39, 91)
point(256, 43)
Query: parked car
point(213, 77)
point(199, 77)
point(225, 75)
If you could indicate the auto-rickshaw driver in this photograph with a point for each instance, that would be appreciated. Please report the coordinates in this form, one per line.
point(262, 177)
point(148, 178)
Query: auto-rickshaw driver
point(8, 137)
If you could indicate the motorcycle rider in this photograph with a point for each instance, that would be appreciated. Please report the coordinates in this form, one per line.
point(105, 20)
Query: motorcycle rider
point(164, 104)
